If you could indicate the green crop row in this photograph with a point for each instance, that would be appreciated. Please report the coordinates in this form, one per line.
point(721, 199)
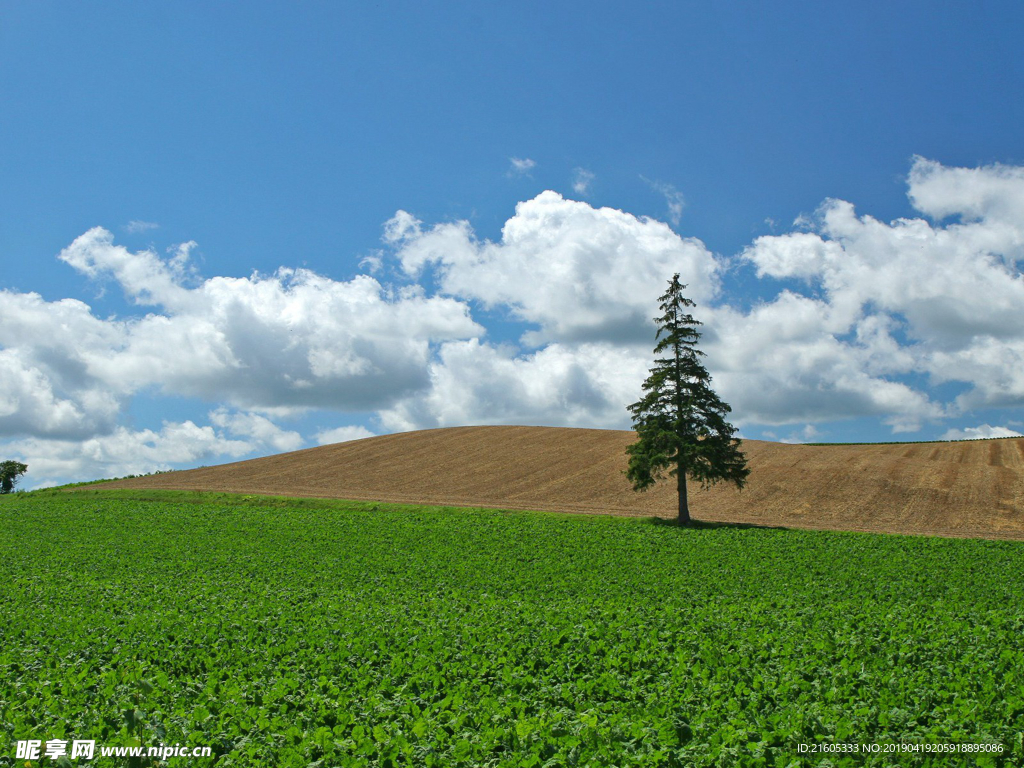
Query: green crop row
point(310, 633)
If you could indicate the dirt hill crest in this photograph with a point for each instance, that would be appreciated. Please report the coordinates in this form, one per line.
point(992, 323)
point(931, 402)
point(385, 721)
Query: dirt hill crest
point(968, 488)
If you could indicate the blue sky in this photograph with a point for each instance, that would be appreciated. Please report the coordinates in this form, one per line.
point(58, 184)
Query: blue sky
point(229, 231)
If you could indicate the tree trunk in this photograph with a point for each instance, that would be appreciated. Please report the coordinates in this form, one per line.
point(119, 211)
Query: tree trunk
point(684, 508)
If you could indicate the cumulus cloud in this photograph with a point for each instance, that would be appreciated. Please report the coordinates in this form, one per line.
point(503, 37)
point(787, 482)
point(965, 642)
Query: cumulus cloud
point(873, 315)
point(992, 193)
point(583, 385)
point(785, 362)
point(259, 430)
point(47, 350)
point(143, 275)
point(122, 452)
point(981, 432)
point(939, 299)
point(291, 339)
point(868, 319)
point(342, 435)
point(579, 273)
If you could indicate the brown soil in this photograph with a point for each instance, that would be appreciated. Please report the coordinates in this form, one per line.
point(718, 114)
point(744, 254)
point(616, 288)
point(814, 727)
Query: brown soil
point(973, 488)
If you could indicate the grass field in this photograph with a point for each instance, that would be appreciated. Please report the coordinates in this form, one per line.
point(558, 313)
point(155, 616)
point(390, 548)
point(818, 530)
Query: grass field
point(327, 633)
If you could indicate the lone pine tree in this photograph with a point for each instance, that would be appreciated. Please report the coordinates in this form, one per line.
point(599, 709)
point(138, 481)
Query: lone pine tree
point(680, 421)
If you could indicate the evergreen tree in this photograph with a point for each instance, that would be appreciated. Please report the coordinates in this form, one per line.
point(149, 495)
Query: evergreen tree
point(680, 421)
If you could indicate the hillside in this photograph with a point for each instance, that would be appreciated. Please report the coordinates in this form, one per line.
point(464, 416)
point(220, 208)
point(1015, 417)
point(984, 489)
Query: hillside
point(972, 488)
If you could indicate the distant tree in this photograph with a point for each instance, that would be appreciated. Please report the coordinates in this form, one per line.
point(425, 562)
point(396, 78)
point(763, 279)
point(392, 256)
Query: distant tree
point(10, 471)
point(680, 421)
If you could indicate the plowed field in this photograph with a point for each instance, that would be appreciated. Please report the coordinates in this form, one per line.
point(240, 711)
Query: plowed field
point(972, 488)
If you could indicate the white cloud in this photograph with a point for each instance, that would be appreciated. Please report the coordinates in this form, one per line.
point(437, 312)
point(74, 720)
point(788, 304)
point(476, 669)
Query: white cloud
point(579, 273)
point(992, 366)
point(341, 435)
point(144, 276)
point(953, 290)
point(520, 166)
point(982, 432)
point(402, 226)
point(29, 404)
point(135, 226)
point(46, 353)
point(581, 181)
point(121, 452)
point(868, 317)
point(473, 383)
point(992, 193)
point(799, 255)
point(884, 301)
point(783, 363)
point(260, 430)
point(673, 199)
point(808, 434)
point(291, 339)
point(372, 262)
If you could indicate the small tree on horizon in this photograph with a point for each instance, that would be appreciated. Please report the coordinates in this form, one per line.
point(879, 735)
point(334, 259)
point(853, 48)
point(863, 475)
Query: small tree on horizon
point(10, 471)
point(680, 421)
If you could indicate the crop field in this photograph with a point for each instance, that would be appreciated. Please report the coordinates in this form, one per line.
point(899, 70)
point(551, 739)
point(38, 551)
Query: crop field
point(326, 633)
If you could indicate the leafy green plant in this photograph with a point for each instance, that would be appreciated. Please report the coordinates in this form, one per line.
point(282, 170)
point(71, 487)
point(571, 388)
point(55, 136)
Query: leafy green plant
point(305, 632)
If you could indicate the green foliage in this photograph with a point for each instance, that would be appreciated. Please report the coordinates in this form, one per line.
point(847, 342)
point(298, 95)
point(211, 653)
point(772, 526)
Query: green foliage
point(680, 421)
point(10, 471)
point(310, 633)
